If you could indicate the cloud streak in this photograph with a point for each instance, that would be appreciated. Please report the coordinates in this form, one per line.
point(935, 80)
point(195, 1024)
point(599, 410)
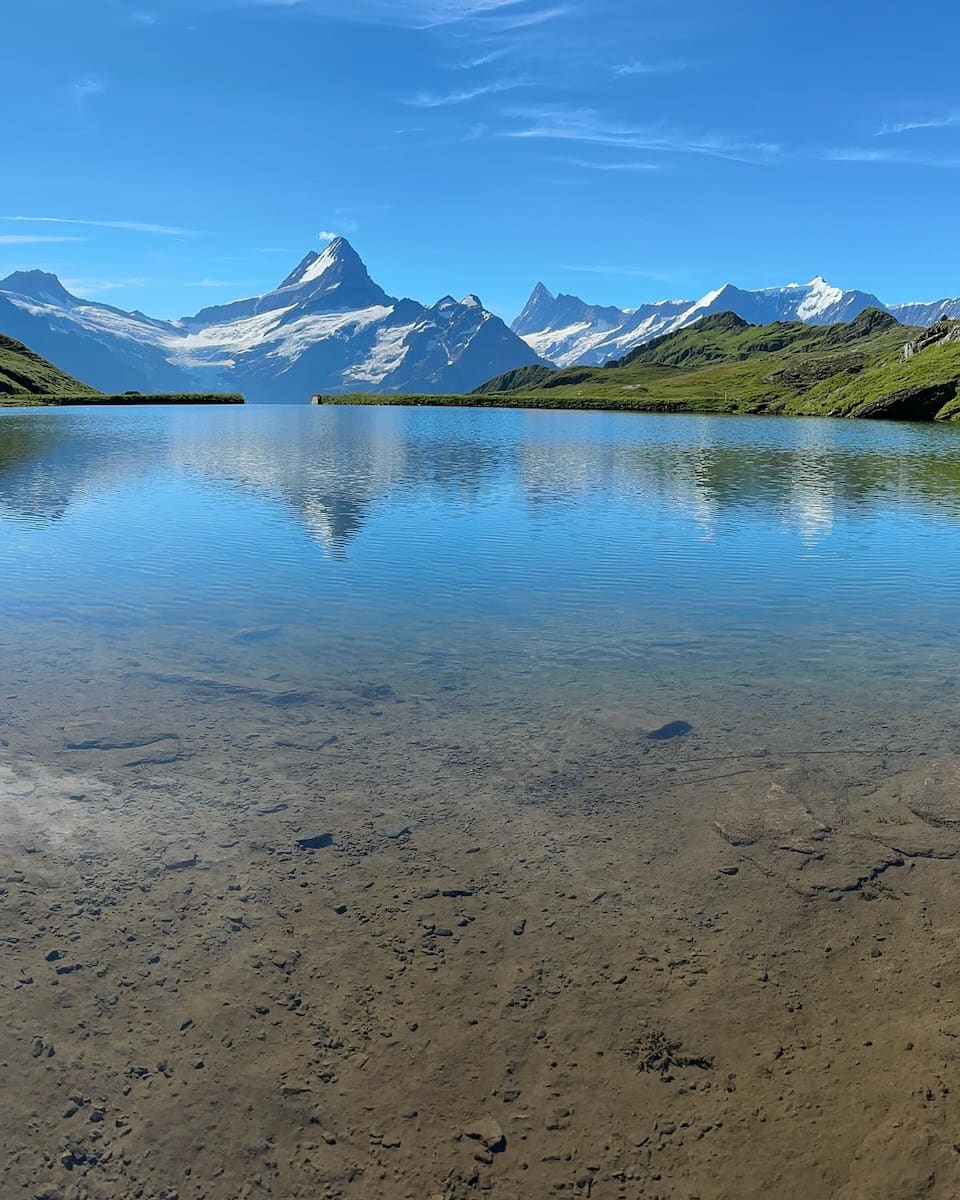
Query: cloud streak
point(592, 165)
point(651, 68)
point(483, 60)
point(96, 287)
point(28, 239)
point(129, 226)
point(509, 23)
point(465, 96)
point(411, 14)
point(627, 272)
point(948, 121)
point(867, 155)
point(587, 127)
point(222, 283)
point(81, 90)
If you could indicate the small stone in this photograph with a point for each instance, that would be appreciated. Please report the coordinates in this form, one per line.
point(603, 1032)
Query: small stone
point(53, 956)
point(316, 841)
point(489, 1134)
point(519, 926)
point(181, 864)
point(673, 729)
point(729, 870)
point(340, 909)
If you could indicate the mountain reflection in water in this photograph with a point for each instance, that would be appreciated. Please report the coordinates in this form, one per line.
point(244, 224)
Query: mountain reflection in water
point(333, 467)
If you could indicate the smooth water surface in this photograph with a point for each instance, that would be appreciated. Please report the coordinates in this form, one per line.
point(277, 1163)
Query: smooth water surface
point(719, 570)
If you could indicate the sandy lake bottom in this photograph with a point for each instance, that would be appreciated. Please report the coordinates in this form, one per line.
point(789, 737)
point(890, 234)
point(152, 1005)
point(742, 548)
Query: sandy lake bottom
point(337, 856)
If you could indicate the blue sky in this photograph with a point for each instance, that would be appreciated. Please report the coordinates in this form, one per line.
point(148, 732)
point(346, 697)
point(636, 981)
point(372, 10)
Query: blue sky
point(192, 151)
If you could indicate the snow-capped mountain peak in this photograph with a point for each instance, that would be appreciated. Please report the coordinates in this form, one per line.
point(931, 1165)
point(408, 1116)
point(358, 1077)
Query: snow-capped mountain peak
point(821, 297)
point(567, 331)
point(332, 280)
point(328, 327)
point(336, 262)
point(37, 285)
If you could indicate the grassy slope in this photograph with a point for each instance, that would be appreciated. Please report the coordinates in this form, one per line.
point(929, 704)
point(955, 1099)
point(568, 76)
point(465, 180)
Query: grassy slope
point(724, 365)
point(27, 380)
point(23, 373)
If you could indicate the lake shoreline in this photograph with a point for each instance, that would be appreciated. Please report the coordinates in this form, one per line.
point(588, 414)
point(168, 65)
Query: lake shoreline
point(523, 403)
point(162, 399)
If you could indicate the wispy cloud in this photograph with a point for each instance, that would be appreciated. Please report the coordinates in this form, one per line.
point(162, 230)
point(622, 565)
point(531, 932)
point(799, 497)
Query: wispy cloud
point(129, 226)
point(466, 95)
point(29, 239)
point(864, 154)
point(651, 68)
point(97, 287)
point(222, 283)
point(143, 18)
point(414, 14)
point(483, 60)
point(947, 121)
point(627, 272)
point(592, 165)
point(326, 235)
point(84, 88)
point(591, 128)
point(528, 20)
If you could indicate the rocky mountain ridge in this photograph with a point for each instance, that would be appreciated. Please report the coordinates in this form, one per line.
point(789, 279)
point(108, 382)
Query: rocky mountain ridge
point(328, 328)
point(567, 331)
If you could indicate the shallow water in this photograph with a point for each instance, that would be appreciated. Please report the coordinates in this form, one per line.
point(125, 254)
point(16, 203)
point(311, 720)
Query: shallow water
point(680, 566)
point(433, 644)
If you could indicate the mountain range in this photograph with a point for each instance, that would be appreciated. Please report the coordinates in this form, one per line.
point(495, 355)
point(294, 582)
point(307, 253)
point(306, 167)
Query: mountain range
point(871, 367)
point(327, 328)
point(569, 332)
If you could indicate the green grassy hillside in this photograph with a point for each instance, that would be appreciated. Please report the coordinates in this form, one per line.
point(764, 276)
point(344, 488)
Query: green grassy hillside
point(870, 367)
point(23, 373)
point(27, 380)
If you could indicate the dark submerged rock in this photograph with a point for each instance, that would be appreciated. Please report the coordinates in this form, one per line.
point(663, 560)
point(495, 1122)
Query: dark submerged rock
point(318, 842)
point(673, 729)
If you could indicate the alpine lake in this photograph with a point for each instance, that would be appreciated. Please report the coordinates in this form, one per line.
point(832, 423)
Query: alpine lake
point(411, 802)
